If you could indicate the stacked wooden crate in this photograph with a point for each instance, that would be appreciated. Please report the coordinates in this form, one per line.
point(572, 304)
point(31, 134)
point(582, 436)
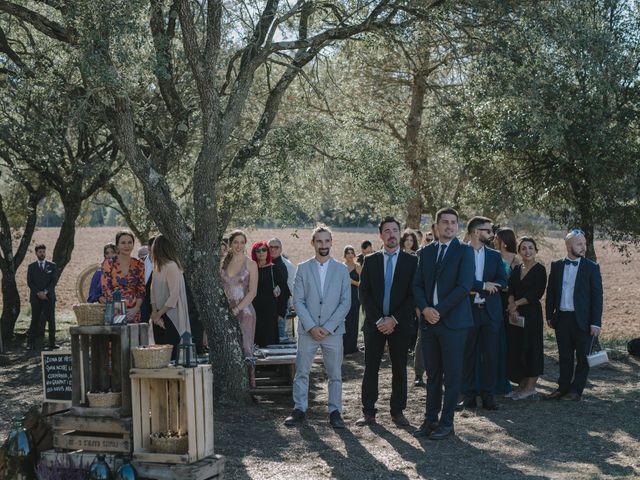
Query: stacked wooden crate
point(101, 358)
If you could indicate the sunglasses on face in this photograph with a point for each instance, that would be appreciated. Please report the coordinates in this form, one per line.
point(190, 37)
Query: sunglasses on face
point(275, 247)
point(576, 231)
point(262, 250)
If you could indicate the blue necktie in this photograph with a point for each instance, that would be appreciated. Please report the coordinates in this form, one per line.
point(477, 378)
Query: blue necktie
point(570, 262)
point(388, 279)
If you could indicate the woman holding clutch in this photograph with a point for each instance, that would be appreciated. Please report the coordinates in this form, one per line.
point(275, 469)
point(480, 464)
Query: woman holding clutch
point(525, 354)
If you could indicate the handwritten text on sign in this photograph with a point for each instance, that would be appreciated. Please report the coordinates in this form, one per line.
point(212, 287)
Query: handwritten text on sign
point(57, 375)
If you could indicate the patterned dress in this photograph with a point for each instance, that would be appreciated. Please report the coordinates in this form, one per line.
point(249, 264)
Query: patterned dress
point(131, 285)
point(236, 288)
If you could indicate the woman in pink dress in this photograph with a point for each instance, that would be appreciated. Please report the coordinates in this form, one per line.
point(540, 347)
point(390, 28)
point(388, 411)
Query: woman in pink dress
point(240, 278)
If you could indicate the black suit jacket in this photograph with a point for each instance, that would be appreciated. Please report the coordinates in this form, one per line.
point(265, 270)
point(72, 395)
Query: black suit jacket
point(587, 294)
point(494, 271)
point(371, 290)
point(39, 280)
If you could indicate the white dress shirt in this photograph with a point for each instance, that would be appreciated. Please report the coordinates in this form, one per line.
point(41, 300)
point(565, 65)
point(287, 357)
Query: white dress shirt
point(322, 271)
point(568, 286)
point(479, 256)
point(435, 290)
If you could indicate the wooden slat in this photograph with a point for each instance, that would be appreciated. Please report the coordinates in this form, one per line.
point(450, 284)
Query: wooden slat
point(77, 397)
point(148, 456)
point(117, 377)
point(78, 459)
point(97, 412)
point(200, 411)
point(158, 405)
point(275, 389)
point(136, 408)
point(209, 468)
point(166, 372)
point(143, 334)
point(125, 365)
point(174, 410)
point(145, 409)
point(85, 384)
point(71, 441)
point(92, 424)
point(191, 416)
point(207, 380)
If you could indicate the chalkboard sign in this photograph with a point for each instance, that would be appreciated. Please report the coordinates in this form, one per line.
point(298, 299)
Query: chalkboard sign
point(57, 374)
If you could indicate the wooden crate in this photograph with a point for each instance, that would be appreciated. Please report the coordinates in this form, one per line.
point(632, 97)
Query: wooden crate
point(78, 459)
point(175, 399)
point(210, 468)
point(92, 434)
point(101, 361)
point(275, 373)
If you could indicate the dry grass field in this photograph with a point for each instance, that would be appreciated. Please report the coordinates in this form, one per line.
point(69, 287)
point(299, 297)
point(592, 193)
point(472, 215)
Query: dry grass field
point(598, 438)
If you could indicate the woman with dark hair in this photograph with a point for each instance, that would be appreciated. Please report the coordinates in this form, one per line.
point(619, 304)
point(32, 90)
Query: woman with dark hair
point(271, 286)
point(240, 279)
point(505, 243)
point(169, 306)
point(125, 274)
point(409, 241)
point(525, 343)
point(95, 288)
point(350, 338)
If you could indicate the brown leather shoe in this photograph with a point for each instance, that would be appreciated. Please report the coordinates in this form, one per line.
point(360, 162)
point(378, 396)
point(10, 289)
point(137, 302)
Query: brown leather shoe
point(366, 420)
point(571, 396)
point(556, 395)
point(400, 420)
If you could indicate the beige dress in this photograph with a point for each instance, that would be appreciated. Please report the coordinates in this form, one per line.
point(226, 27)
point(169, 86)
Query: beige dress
point(167, 288)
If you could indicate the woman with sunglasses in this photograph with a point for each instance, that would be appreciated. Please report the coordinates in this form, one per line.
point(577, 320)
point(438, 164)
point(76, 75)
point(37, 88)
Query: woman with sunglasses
point(272, 287)
point(350, 338)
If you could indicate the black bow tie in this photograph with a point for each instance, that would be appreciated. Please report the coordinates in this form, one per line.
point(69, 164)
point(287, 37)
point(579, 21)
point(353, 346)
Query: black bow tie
point(571, 262)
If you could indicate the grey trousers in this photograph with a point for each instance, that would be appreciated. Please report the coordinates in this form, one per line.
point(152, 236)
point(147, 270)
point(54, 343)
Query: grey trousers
point(332, 355)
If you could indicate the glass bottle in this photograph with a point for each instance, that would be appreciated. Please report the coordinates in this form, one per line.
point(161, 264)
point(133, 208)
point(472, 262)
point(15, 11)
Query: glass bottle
point(99, 469)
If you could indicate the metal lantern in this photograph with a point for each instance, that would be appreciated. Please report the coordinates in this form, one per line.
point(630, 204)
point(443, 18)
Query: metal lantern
point(186, 352)
point(99, 469)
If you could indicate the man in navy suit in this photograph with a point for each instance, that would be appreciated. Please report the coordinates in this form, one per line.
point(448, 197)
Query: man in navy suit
point(441, 289)
point(486, 306)
point(386, 293)
point(574, 310)
point(42, 277)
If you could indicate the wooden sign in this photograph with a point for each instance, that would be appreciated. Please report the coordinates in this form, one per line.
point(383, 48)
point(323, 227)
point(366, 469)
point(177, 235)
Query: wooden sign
point(57, 376)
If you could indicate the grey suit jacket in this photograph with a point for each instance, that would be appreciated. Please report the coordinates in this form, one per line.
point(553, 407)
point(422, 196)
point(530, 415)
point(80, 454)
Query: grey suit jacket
point(327, 308)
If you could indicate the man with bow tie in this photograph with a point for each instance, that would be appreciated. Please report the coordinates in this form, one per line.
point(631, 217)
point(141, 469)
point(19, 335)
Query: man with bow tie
point(42, 277)
point(574, 310)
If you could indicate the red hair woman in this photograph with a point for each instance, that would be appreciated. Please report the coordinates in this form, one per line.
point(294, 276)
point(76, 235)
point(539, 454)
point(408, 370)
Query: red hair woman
point(271, 286)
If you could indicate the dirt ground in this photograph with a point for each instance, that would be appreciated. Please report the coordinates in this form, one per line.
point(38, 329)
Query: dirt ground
point(596, 438)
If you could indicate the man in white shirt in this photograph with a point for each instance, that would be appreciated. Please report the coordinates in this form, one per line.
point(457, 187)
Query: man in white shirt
point(574, 306)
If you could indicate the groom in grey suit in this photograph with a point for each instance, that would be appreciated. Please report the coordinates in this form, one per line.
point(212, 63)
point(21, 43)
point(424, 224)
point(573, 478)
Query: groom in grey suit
point(322, 297)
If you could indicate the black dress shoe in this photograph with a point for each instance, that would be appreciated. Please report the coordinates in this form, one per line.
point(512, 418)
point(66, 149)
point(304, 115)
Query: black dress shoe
point(441, 433)
point(469, 402)
point(418, 382)
point(400, 420)
point(556, 395)
point(572, 397)
point(366, 420)
point(488, 403)
point(336, 420)
point(425, 429)
point(296, 417)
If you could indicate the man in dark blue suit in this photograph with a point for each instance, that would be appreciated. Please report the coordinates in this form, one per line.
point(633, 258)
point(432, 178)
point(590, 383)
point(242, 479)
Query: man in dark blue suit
point(574, 310)
point(441, 289)
point(486, 306)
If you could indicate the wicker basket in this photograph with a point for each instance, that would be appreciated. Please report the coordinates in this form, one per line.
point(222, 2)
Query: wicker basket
point(104, 400)
point(152, 356)
point(89, 313)
point(176, 445)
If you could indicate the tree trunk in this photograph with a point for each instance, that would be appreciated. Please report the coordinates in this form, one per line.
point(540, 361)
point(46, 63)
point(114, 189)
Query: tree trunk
point(411, 147)
point(10, 303)
point(66, 239)
point(585, 217)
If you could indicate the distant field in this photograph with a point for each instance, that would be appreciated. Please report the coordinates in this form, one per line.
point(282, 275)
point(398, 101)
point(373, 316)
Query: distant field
point(622, 288)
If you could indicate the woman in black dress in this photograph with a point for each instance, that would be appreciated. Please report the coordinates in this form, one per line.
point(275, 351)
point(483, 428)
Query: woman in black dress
point(272, 289)
point(524, 344)
point(350, 338)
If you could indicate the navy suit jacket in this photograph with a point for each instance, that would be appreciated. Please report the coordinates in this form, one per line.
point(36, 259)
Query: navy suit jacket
point(454, 277)
point(371, 290)
point(39, 280)
point(587, 294)
point(495, 272)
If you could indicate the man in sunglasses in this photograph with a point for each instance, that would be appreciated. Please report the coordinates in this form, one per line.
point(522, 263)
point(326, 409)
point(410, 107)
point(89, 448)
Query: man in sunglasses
point(574, 309)
point(486, 307)
point(288, 271)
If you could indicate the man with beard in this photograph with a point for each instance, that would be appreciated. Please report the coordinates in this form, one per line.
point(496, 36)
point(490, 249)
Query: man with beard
point(42, 277)
point(486, 306)
point(441, 289)
point(365, 249)
point(387, 298)
point(574, 310)
point(322, 298)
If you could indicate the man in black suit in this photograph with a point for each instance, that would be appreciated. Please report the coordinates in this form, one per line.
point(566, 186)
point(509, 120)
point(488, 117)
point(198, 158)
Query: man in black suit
point(42, 277)
point(486, 307)
point(387, 299)
point(365, 249)
point(441, 289)
point(574, 310)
